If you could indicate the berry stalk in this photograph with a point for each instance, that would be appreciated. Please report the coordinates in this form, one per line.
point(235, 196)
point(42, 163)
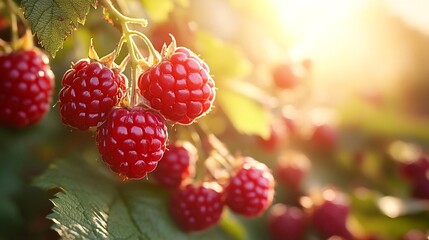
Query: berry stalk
point(14, 24)
point(136, 59)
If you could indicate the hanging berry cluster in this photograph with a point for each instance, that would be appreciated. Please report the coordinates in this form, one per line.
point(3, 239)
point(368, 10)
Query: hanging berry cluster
point(132, 118)
point(27, 81)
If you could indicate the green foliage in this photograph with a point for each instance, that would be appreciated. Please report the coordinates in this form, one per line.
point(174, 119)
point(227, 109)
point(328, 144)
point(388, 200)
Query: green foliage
point(369, 216)
point(225, 60)
point(383, 121)
point(247, 115)
point(53, 21)
point(94, 205)
point(241, 102)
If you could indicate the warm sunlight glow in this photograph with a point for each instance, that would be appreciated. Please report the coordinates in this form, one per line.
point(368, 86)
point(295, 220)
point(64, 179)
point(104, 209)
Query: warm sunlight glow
point(352, 43)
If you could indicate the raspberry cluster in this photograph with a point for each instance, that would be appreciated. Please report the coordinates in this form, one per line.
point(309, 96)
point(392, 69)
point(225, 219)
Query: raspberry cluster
point(195, 206)
point(25, 88)
point(132, 139)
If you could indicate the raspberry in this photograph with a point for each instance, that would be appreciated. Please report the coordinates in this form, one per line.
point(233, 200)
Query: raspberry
point(25, 87)
point(420, 188)
point(176, 165)
point(291, 169)
point(132, 141)
point(90, 90)
point(251, 190)
point(325, 137)
point(330, 217)
point(182, 30)
point(180, 87)
point(286, 222)
point(196, 207)
point(414, 234)
point(278, 135)
point(415, 170)
point(285, 76)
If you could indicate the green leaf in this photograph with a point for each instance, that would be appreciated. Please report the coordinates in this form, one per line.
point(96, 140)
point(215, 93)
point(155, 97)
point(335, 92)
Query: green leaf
point(53, 21)
point(384, 121)
point(368, 215)
point(225, 60)
point(159, 10)
point(94, 205)
point(243, 104)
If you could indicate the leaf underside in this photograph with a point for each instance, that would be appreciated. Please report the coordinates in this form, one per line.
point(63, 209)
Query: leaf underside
point(54, 20)
point(94, 205)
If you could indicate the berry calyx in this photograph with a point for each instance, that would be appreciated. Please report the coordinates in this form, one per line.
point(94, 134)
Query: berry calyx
point(196, 207)
point(286, 222)
point(25, 88)
point(132, 141)
point(90, 90)
point(250, 191)
point(176, 165)
point(179, 87)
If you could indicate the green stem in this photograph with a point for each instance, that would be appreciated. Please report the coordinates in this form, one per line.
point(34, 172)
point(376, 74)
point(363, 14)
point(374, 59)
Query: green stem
point(204, 154)
point(133, 80)
point(127, 36)
point(151, 48)
point(14, 23)
point(15, 9)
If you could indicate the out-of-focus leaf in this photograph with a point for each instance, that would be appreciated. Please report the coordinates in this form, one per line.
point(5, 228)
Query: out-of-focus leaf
point(225, 60)
point(383, 121)
point(94, 205)
point(53, 21)
point(159, 10)
point(248, 115)
point(369, 216)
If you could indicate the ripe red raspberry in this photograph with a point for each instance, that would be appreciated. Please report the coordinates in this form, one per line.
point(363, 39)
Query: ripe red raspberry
point(329, 218)
point(286, 76)
point(325, 137)
point(90, 90)
point(182, 30)
point(420, 188)
point(180, 87)
point(414, 234)
point(291, 169)
point(415, 170)
point(176, 165)
point(132, 141)
point(286, 222)
point(26, 87)
point(278, 136)
point(196, 207)
point(250, 191)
